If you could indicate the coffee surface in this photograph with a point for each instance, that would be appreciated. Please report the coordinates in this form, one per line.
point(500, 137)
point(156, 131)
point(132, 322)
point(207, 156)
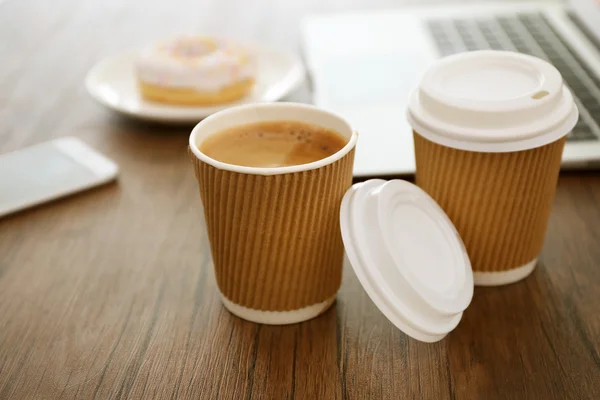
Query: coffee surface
point(272, 144)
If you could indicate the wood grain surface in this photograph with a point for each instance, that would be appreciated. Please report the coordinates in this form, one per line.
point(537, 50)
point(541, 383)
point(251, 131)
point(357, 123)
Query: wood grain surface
point(110, 294)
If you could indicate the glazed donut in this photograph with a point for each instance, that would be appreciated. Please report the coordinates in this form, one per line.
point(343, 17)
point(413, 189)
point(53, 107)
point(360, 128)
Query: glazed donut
point(195, 70)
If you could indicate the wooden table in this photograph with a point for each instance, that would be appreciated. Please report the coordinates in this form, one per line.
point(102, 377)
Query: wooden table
point(111, 294)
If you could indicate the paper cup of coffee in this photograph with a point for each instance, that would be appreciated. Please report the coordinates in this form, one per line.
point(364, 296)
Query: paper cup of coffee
point(274, 232)
point(489, 129)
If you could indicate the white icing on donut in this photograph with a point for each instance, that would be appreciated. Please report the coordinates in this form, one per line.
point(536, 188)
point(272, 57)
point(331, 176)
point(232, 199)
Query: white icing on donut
point(195, 62)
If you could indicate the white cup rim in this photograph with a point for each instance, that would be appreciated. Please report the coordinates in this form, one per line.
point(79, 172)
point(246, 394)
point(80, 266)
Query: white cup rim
point(352, 139)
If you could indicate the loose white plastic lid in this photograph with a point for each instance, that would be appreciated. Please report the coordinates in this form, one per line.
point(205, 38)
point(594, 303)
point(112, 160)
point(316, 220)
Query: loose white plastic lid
point(408, 256)
point(492, 101)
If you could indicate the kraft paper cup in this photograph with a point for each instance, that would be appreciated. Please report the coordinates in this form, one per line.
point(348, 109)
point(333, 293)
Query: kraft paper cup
point(489, 131)
point(274, 232)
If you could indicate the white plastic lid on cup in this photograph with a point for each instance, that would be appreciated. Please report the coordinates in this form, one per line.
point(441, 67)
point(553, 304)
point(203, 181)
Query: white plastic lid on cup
point(492, 101)
point(408, 256)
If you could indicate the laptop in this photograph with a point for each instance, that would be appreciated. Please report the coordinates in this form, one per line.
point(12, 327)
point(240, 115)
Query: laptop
point(363, 65)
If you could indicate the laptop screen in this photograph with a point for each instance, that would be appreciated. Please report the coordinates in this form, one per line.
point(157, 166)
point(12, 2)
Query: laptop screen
point(588, 11)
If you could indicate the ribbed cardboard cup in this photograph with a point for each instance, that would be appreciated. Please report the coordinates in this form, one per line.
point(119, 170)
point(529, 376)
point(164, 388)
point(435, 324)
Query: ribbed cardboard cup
point(489, 129)
point(499, 202)
point(274, 232)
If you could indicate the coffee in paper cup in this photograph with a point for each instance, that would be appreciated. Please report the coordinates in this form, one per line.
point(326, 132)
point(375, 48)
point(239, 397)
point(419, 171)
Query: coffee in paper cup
point(274, 232)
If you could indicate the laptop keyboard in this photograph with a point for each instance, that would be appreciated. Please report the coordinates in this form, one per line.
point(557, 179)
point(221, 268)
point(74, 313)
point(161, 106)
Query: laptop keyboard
point(530, 34)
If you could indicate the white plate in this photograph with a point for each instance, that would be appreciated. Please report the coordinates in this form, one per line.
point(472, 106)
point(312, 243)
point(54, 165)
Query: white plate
point(112, 83)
